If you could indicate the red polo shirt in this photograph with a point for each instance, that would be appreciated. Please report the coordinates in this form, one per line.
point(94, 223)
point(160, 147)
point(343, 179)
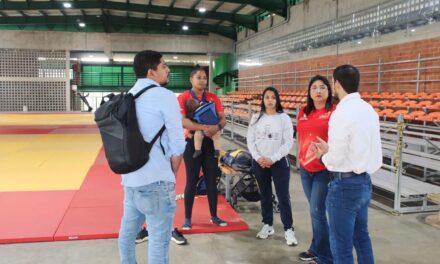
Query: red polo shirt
point(308, 128)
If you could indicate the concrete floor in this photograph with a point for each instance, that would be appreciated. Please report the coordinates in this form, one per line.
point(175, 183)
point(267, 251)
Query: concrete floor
point(396, 239)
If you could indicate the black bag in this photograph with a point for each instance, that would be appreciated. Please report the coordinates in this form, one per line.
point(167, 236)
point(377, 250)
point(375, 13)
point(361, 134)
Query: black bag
point(125, 148)
point(238, 159)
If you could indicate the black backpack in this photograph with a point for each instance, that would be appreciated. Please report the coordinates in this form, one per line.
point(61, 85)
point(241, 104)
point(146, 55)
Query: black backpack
point(124, 145)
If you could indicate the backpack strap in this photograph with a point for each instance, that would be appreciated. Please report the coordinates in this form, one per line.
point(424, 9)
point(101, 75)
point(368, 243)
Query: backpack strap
point(195, 97)
point(144, 90)
point(159, 134)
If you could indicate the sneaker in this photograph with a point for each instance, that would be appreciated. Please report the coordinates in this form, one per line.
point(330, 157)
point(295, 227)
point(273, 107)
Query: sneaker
point(178, 237)
point(289, 235)
point(265, 232)
point(187, 225)
point(217, 221)
point(306, 256)
point(197, 153)
point(142, 236)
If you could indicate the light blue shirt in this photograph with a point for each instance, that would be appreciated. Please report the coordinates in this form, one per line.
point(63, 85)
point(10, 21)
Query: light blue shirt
point(154, 108)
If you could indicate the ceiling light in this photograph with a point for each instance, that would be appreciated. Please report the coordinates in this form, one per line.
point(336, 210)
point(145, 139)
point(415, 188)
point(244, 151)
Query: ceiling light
point(202, 10)
point(95, 59)
point(359, 42)
point(413, 30)
point(175, 57)
point(122, 60)
point(82, 24)
point(250, 63)
point(185, 27)
point(67, 5)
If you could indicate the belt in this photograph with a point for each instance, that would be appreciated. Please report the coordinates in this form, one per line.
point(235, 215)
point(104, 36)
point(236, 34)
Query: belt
point(340, 175)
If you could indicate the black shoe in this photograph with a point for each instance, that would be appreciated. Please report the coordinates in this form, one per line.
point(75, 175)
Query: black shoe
point(306, 256)
point(178, 237)
point(217, 221)
point(142, 236)
point(197, 153)
point(216, 153)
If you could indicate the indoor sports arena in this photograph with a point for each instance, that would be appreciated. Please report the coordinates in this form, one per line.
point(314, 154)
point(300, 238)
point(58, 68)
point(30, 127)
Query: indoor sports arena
point(314, 138)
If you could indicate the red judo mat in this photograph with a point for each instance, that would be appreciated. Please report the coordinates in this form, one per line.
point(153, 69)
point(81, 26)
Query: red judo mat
point(94, 211)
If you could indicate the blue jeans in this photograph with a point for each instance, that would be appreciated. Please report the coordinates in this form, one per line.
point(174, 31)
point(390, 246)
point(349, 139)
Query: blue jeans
point(315, 189)
point(155, 203)
point(280, 173)
point(347, 205)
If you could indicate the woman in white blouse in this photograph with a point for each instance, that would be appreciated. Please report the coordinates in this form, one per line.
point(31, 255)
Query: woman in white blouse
point(269, 139)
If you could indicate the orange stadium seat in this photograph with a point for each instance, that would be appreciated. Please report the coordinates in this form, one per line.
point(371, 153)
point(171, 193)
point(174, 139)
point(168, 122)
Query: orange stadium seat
point(415, 115)
point(397, 113)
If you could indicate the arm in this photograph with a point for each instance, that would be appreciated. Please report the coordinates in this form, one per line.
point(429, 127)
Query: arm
point(173, 123)
point(190, 125)
point(338, 142)
point(251, 140)
point(213, 129)
point(175, 163)
point(287, 138)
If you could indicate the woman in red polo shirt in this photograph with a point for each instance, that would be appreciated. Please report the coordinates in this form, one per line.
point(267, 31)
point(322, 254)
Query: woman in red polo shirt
point(312, 123)
point(207, 160)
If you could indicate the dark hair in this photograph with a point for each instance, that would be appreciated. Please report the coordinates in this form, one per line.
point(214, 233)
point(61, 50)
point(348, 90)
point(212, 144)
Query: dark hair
point(144, 61)
point(328, 103)
point(278, 107)
point(196, 69)
point(348, 76)
point(190, 106)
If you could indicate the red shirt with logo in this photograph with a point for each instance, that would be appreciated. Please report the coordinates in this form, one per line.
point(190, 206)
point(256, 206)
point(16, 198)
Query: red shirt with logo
point(310, 127)
point(210, 97)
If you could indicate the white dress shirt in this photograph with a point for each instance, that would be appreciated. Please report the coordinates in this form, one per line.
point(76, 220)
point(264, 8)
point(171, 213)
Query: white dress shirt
point(354, 137)
point(271, 136)
point(154, 108)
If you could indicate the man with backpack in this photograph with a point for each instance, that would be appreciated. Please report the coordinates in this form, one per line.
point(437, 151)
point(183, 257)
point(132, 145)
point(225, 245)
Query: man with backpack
point(149, 192)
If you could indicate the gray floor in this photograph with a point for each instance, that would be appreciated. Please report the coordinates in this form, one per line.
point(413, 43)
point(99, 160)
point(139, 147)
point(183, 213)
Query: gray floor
point(396, 239)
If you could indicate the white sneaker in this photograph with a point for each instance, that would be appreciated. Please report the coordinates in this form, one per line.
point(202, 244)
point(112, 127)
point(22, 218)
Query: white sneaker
point(265, 232)
point(289, 235)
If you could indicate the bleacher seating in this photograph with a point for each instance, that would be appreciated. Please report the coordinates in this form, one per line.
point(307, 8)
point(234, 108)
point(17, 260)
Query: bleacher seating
point(416, 107)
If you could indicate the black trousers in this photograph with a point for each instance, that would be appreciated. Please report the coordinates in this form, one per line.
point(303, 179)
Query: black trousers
point(211, 172)
point(279, 172)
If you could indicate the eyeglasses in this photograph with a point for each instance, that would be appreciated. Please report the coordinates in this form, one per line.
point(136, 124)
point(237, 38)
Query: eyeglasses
point(316, 88)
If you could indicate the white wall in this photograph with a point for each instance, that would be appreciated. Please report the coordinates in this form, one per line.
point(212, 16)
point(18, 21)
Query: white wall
point(114, 42)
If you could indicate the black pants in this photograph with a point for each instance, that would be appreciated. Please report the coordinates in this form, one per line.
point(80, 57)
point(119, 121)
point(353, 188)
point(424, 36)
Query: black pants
point(211, 172)
point(280, 173)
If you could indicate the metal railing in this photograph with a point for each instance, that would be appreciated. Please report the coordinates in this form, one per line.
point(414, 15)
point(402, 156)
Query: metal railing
point(381, 19)
point(378, 76)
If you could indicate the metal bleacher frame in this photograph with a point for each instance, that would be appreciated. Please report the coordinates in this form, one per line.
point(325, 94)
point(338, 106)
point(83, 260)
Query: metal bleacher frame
point(403, 145)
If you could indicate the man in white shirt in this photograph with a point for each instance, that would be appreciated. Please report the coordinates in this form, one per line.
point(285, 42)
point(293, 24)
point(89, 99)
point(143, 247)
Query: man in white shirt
point(353, 152)
point(149, 192)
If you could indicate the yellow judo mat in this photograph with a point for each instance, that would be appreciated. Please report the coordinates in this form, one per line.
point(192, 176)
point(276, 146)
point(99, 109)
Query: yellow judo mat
point(42, 162)
point(37, 119)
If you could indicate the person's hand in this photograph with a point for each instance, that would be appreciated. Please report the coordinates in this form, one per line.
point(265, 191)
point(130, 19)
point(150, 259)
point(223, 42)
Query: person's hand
point(265, 162)
point(210, 130)
point(260, 162)
point(268, 162)
point(321, 147)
